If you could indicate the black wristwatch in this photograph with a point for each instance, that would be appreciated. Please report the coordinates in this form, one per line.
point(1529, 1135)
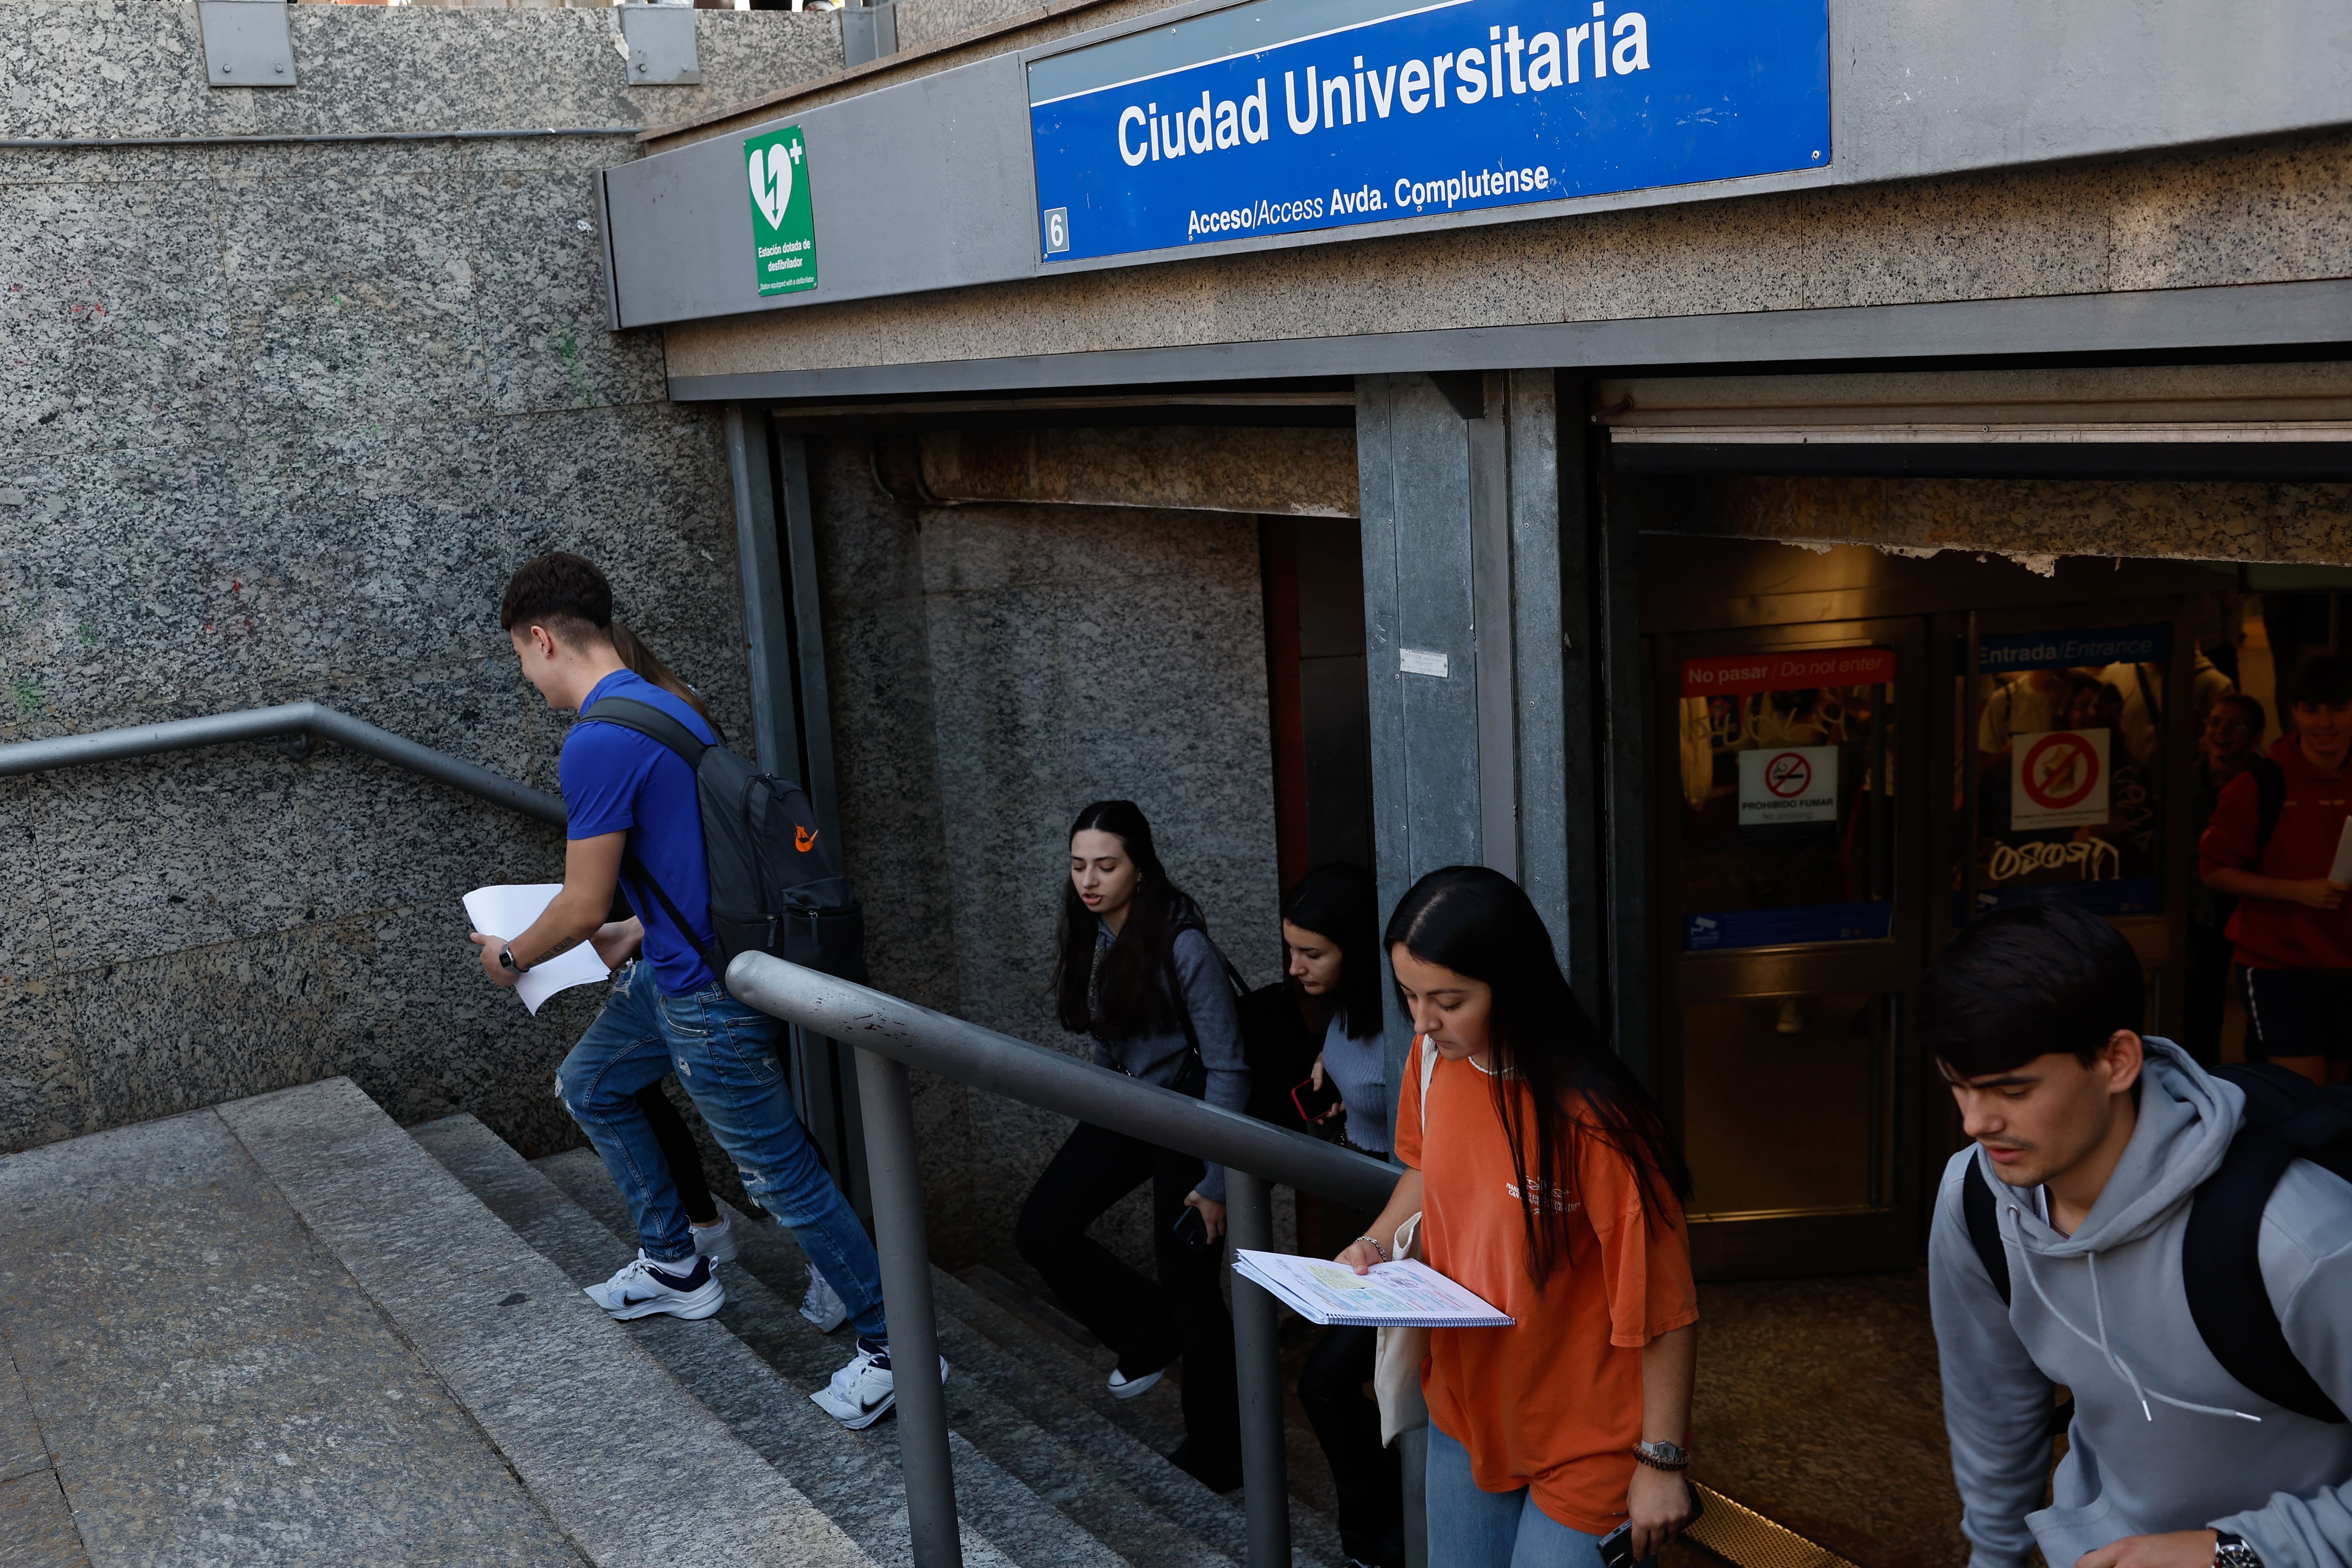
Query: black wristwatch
point(507, 961)
point(2232, 1551)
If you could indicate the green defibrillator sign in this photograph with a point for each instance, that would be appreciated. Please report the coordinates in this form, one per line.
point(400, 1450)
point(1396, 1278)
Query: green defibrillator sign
point(783, 223)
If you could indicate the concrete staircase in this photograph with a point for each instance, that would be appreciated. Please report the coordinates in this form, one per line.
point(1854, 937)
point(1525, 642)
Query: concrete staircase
point(285, 1331)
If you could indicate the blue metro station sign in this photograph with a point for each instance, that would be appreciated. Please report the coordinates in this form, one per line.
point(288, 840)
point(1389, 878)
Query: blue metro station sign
point(1285, 115)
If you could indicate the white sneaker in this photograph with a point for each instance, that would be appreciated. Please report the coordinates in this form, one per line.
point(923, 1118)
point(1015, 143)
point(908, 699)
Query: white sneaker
point(821, 1306)
point(865, 1391)
point(644, 1287)
point(1125, 1387)
point(716, 1242)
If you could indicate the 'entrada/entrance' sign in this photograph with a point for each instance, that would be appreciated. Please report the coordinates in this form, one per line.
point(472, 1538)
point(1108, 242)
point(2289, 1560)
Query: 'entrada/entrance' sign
point(1283, 115)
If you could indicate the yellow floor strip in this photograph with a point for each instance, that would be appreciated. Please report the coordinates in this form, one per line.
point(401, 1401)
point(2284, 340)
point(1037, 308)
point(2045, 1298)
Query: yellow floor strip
point(1746, 1539)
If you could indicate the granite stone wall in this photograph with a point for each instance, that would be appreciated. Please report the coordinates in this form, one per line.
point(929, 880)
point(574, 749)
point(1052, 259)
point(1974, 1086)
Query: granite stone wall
point(276, 421)
point(995, 668)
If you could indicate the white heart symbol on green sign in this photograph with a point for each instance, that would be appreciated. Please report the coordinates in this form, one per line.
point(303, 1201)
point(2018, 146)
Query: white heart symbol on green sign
point(771, 182)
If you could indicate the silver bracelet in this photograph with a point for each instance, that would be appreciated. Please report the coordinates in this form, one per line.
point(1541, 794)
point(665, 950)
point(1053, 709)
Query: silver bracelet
point(1376, 1247)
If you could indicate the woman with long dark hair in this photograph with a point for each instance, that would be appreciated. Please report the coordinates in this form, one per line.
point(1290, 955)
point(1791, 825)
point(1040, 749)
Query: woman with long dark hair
point(1136, 970)
point(1331, 935)
point(1547, 1183)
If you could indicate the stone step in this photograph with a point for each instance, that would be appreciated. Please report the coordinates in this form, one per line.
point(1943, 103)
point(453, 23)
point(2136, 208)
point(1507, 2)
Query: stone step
point(1105, 1446)
point(855, 1487)
point(630, 1466)
point(1065, 1390)
point(1092, 1487)
point(756, 1362)
point(194, 1377)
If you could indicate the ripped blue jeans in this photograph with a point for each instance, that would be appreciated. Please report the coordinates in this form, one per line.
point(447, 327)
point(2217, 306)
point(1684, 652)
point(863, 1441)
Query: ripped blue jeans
point(724, 1054)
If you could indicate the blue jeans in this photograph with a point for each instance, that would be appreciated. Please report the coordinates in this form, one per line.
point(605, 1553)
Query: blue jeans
point(1473, 1529)
point(724, 1054)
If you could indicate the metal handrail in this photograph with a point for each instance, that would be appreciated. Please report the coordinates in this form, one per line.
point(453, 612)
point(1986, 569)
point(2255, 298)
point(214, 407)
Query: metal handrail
point(315, 720)
point(892, 1034)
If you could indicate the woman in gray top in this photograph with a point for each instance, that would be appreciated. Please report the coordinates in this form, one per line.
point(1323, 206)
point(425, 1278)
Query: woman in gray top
point(1331, 929)
point(1138, 973)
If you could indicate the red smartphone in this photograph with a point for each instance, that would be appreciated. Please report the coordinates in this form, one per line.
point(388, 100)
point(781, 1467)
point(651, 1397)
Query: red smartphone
point(1311, 1101)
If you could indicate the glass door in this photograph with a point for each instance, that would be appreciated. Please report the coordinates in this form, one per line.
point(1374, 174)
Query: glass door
point(1791, 925)
point(2074, 741)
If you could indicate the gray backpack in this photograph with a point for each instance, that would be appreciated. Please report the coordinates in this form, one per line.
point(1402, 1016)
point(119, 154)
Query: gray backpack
point(774, 886)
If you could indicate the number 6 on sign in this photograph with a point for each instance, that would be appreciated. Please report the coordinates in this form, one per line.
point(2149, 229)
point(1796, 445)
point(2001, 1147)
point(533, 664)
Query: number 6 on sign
point(1058, 230)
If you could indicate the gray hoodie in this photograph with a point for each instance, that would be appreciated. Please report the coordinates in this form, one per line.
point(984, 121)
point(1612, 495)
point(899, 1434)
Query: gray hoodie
point(2163, 1439)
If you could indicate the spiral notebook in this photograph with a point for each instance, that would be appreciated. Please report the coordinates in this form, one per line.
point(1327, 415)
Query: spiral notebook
point(1391, 1295)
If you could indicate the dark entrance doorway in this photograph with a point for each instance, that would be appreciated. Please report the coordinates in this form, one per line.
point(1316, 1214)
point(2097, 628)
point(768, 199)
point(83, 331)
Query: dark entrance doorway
point(1853, 752)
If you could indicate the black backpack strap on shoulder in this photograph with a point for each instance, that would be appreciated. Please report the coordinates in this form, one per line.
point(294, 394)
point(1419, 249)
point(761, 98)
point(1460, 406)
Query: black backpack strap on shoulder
point(2221, 1271)
point(1183, 1008)
point(2270, 799)
point(1977, 1207)
point(650, 721)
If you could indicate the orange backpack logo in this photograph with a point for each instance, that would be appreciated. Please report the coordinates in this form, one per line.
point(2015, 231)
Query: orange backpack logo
point(803, 839)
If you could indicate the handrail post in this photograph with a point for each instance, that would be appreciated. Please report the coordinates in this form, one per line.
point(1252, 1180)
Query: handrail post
point(1257, 1370)
point(897, 1181)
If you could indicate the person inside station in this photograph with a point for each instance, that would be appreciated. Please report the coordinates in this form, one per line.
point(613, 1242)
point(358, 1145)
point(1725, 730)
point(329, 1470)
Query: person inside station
point(2225, 749)
point(2281, 858)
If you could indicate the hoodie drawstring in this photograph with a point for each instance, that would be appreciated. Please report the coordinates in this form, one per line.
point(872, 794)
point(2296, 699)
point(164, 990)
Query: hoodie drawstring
point(2107, 1351)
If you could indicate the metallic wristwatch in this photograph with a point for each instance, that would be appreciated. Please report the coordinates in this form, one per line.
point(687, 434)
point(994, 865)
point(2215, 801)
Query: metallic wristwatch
point(1661, 1455)
point(507, 961)
point(2232, 1551)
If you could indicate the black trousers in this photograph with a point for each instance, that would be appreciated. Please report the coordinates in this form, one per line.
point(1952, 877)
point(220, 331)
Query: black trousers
point(1148, 1325)
point(1368, 1479)
point(678, 1148)
point(2205, 989)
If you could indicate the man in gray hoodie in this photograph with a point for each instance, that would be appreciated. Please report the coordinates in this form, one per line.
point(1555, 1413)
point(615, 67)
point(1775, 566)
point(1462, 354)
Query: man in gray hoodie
point(2093, 1141)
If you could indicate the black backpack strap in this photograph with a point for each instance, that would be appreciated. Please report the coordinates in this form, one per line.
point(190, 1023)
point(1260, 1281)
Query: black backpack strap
point(1176, 991)
point(1983, 1215)
point(650, 721)
point(1984, 1227)
point(635, 867)
point(2270, 799)
point(2220, 1251)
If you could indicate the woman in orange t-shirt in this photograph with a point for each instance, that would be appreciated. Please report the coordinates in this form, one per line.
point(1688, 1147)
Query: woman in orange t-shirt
point(1548, 1183)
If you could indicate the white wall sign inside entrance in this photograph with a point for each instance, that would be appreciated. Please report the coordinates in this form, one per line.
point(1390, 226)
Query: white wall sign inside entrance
point(1787, 783)
point(2057, 778)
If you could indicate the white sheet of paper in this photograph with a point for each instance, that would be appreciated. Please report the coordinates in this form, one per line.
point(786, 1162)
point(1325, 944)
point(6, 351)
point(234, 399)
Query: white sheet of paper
point(2342, 870)
point(508, 910)
point(1406, 1291)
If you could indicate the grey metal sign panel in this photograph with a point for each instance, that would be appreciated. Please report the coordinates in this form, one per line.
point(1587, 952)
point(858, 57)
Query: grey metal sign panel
point(247, 43)
point(661, 45)
point(1934, 88)
point(929, 184)
point(923, 185)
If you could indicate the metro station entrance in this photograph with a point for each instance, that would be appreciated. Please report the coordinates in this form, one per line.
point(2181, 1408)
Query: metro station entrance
point(1853, 752)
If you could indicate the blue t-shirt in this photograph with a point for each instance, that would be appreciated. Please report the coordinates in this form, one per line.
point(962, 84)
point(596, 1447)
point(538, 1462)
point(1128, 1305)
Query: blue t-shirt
point(615, 780)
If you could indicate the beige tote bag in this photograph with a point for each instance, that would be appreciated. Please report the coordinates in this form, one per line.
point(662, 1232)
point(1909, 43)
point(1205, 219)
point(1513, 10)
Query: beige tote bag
point(1399, 1351)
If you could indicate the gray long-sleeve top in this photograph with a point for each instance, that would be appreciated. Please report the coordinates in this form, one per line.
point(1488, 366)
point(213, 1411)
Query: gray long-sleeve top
point(2163, 1438)
point(1208, 1001)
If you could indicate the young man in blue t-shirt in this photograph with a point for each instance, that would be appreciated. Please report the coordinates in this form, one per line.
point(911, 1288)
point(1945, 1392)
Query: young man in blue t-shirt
point(634, 813)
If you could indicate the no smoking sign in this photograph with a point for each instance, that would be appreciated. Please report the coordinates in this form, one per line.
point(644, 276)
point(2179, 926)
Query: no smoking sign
point(2058, 778)
point(1787, 783)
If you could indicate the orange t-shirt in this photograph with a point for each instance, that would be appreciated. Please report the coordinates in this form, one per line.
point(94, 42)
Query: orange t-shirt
point(1554, 1402)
